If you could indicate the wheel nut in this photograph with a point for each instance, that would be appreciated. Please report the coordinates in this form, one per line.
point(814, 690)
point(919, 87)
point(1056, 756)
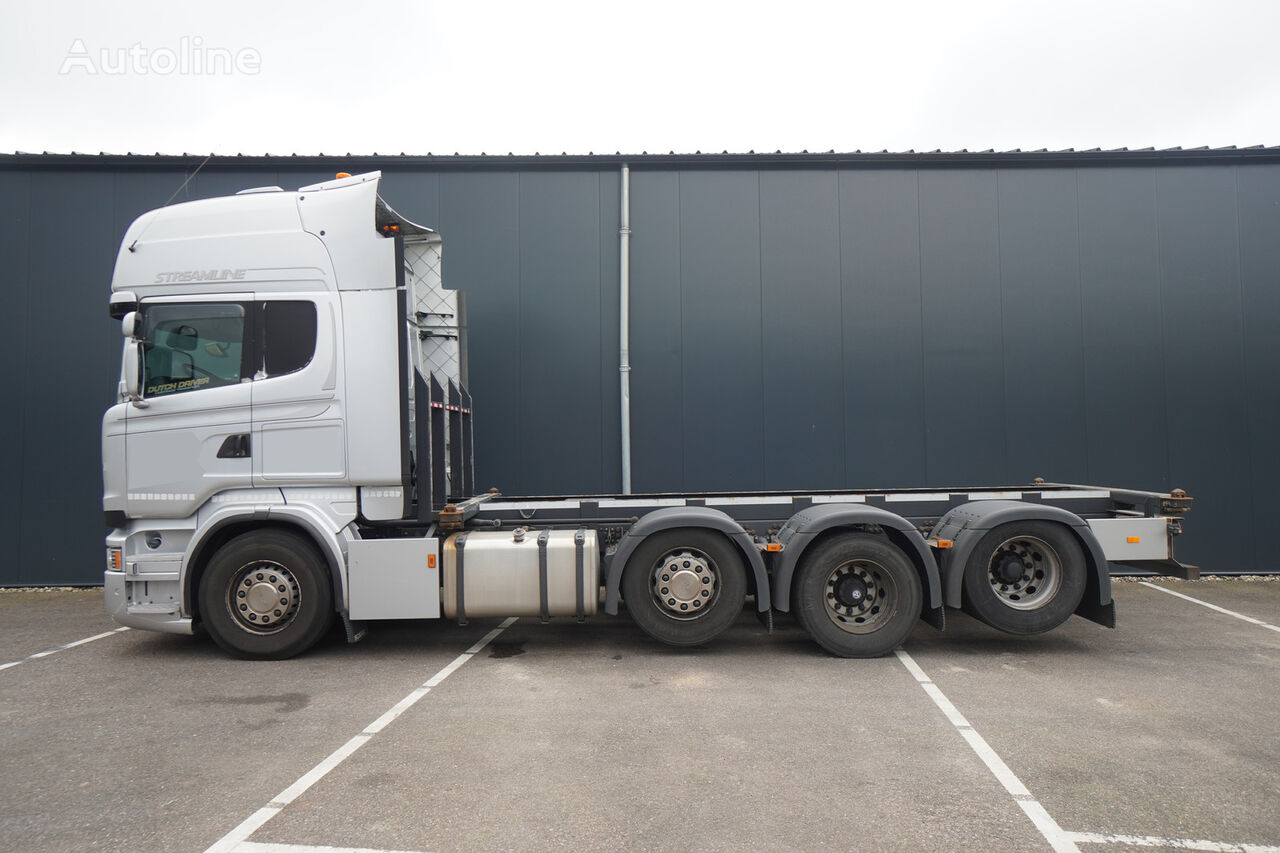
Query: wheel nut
point(284, 601)
point(665, 590)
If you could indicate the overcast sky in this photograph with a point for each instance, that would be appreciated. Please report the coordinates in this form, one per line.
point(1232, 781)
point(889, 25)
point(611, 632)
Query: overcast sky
point(325, 77)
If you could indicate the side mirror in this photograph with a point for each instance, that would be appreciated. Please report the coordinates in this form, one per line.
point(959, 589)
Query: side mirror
point(129, 324)
point(122, 302)
point(132, 370)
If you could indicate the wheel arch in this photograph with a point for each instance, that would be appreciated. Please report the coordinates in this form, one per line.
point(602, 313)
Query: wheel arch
point(671, 518)
point(966, 524)
point(225, 527)
point(816, 523)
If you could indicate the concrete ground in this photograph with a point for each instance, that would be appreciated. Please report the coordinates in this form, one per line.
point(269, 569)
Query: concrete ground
point(1161, 734)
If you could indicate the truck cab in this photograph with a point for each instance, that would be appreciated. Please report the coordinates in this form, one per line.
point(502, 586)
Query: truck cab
point(266, 373)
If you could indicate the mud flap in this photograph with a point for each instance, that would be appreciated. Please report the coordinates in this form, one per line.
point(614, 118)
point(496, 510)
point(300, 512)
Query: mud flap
point(1103, 614)
point(356, 631)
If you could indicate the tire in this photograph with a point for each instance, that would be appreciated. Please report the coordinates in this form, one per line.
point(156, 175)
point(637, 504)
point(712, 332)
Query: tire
point(1025, 577)
point(857, 595)
point(266, 595)
point(684, 587)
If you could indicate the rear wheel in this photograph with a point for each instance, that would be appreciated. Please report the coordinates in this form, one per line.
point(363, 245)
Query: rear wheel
point(266, 595)
point(857, 595)
point(684, 587)
point(1025, 577)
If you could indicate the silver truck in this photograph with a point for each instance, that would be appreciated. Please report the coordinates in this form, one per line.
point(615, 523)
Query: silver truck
point(292, 445)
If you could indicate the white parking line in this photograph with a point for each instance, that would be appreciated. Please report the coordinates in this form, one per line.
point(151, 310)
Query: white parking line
point(1241, 616)
point(234, 839)
point(54, 650)
point(1058, 839)
point(259, 847)
point(1175, 843)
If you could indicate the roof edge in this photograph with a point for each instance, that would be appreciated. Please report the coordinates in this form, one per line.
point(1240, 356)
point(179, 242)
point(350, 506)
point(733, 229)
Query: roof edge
point(723, 160)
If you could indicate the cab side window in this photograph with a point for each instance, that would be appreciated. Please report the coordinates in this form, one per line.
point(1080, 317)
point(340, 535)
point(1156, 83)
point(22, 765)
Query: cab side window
point(288, 336)
point(192, 346)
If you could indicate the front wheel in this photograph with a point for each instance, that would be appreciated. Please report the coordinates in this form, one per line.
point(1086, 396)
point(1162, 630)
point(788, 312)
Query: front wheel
point(857, 595)
point(266, 595)
point(684, 587)
point(1025, 577)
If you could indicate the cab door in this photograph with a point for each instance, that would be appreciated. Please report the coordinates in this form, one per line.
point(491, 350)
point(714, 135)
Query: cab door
point(189, 438)
point(299, 434)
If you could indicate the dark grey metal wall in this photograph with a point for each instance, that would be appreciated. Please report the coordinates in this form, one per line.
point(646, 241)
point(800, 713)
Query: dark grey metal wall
point(796, 324)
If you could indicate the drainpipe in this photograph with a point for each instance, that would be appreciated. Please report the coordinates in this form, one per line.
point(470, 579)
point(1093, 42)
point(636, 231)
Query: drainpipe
point(624, 323)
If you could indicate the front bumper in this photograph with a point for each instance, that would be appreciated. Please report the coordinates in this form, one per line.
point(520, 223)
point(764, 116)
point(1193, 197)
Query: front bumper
point(145, 616)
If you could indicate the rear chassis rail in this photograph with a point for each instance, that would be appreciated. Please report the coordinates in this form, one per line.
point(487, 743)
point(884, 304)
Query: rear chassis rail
point(762, 514)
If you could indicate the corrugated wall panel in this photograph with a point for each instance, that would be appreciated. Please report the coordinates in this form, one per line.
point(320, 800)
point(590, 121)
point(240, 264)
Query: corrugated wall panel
point(965, 439)
point(883, 354)
point(1124, 411)
point(1041, 325)
point(15, 260)
point(657, 332)
point(68, 376)
point(558, 374)
point(1197, 214)
point(722, 427)
point(1259, 215)
point(803, 403)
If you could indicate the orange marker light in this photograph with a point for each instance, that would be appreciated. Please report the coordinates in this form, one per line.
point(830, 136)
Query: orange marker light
point(341, 175)
point(431, 561)
point(773, 547)
point(941, 543)
point(1133, 540)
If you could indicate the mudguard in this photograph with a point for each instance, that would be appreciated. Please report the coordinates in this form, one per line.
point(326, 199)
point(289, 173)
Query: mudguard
point(967, 524)
point(307, 523)
point(672, 517)
point(808, 524)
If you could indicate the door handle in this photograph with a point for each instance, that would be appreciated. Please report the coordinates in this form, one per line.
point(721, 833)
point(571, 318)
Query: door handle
point(235, 447)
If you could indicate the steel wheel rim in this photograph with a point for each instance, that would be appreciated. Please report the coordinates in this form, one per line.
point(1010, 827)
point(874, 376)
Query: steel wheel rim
point(684, 583)
point(860, 596)
point(1041, 575)
point(263, 597)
